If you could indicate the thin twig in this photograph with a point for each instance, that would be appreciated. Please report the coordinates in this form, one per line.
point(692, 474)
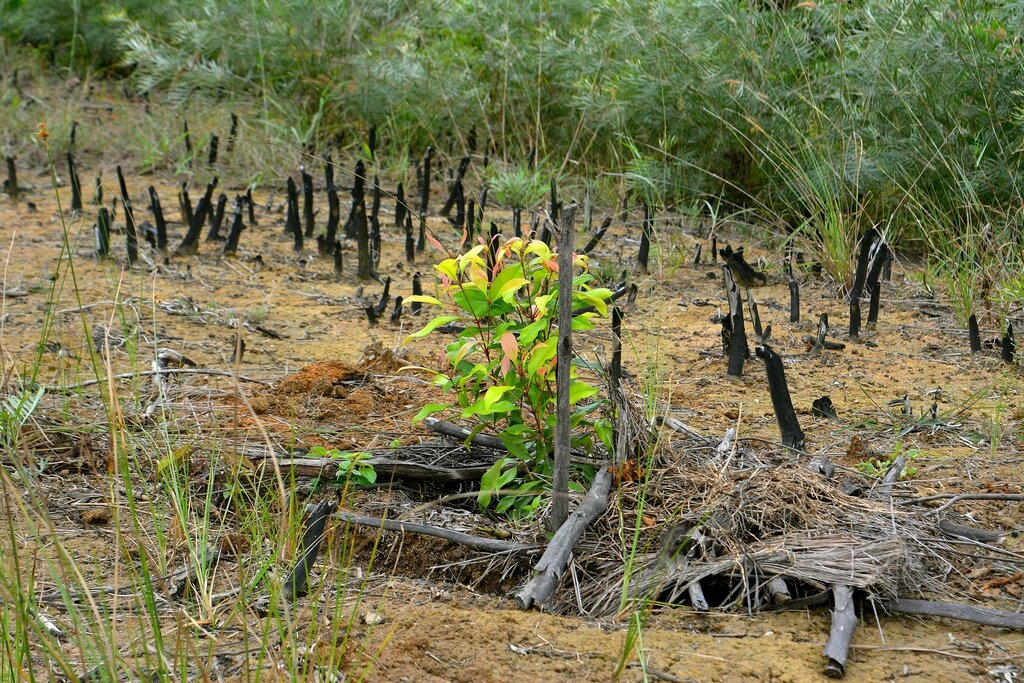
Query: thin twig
point(148, 373)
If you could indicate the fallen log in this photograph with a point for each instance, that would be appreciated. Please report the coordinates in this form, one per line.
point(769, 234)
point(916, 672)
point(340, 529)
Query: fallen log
point(461, 433)
point(490, 545)
point(551, 564)
point(951, 610)
point(844, 621)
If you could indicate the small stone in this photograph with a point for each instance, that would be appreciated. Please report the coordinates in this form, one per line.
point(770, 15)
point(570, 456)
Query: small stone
point(373, 618)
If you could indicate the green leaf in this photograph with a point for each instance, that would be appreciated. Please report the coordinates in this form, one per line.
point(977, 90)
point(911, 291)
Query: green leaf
point(432, 325)
point(428, 410)
point(530, 332)
point(579, 391)
point(494, 393)
point(422, 299)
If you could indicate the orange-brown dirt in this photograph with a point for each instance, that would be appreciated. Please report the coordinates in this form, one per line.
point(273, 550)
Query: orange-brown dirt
point(333, 380)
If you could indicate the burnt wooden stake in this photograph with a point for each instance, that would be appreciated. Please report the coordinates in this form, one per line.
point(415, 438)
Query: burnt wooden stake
point(823, 407)
point(645, 239)
point(738, 335)
point(375, 197)
point(371, 142)
point(517, 222)
point(97, 197)
point(421, 240)
point(211, 159)
point(364, 269)
point(425, 186)
point(76, 184)
point(131, 234)
point(231, 246)
point(103, 233)
point(337, 260)
point(794, 301)
point(190, 244)
point(185, 205)
point(371, 315)
point(854, 331)
point(295, 584)
point(1009, 346)
point(615, 370)
point(563, 369)
point(188, 140)
point(460, 206)
point(217, 219)
point(755, 317)
point(385, 297)
point(158, 217)
point(291, 216)
point(456, 187)
point(307, 201)
point(714, 249)
point(696, 255)
point(785, 415)
point(876, 292)
point(232, 134)
point(11, 184)
point(410, 242)
point(252, 206)
point(396, 315)
point(400, 208)
point(867, 243)
point(596, 238)
point(417, 290)
point(973, 333)
point(470, 220)
point(358, 198)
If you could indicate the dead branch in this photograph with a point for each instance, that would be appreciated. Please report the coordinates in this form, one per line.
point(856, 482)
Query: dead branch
point(551, 564)
point(951, 610)
point(461, 433)
point(490, 545)
point(844, 620)
point(163, 371)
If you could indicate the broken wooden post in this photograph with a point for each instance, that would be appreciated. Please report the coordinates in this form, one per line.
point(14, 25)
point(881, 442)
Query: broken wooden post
point(358, 198)
point(876, 292)
point(188, 140)
point(410, 242)
point(867, 243)
point(375, 225)
point(823, 407)
point(76, 184)
point(563, 370)
point(364, 269)
point(231, 246)
point(252, 206)
point(785, 415)
point(217, 219)
point(470, 220)
point(714, 248)
point(11, 184)
point(307, 201)
point(844, 621)
point(1008, 343)
point(755, 317)
point(417, 290)
point(131, 234)
point(385, 297)
point(396, 315)
point(232, 134)
point(517, 221)
point(592, 244)
point(338, 265)
point(295, 584)
point(615, 369)
point(456, 187)
point(102, 232)
point(738, 335)
point(794, 301)
point(425, 185)
point(97, 195)
point(190, 243)
point(854, 330)
point(291, 215)
point(371, 315)
point(158, 217)
point(211, 158)
point(645, 239)
point(400, 207)
point(326, 244)
point(696, 255)
point(973, 333)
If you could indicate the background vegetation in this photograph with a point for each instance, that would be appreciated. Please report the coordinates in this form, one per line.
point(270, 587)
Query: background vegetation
point(820, 118)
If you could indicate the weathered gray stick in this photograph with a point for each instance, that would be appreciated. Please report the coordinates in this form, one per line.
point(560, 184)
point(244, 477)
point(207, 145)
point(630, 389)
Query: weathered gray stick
point(490, 545)
point(951, 610)
point(844, 621)
point(552, 563)
point(563, 368)
point(457, 432)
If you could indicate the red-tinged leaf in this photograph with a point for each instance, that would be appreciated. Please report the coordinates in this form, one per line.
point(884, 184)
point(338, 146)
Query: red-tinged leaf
point(551, 265)
point(506, 363)
point(509, 344)
point(444, 360)
point(445, 282)
point(434, 243)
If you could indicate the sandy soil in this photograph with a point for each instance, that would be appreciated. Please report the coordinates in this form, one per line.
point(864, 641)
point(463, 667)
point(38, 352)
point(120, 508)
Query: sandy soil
point(294, 313)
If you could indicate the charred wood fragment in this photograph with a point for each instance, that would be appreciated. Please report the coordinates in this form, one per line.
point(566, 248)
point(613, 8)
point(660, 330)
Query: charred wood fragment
point(232, 134)
point(738, 336)
point(596, 238)
point(11, 184)
point(867, 244)
point(333, 218)
point(456, 187)
point(400, 208)
point(410, 242)
point(396, 314)
point(425, 184)
point(822, 407)
point(974, 333)
point(854, 330)
point(794, 301)
point(1009, 346)
point(217, 219)
point(696, 255)
point(102, 232)
point(307, 201)
point(875, 289)
point(231, 246)
point(211, 159)
point(755, 317)
point(364, 268)
point(645, 239)
point(131, 233)
point(417, 290)
point(385, 297)
point(158, 217)
point(295, 583)
point(338, 265)
point(190, 244)
point(76, 184)
point(785, 415)
point(844, 621)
